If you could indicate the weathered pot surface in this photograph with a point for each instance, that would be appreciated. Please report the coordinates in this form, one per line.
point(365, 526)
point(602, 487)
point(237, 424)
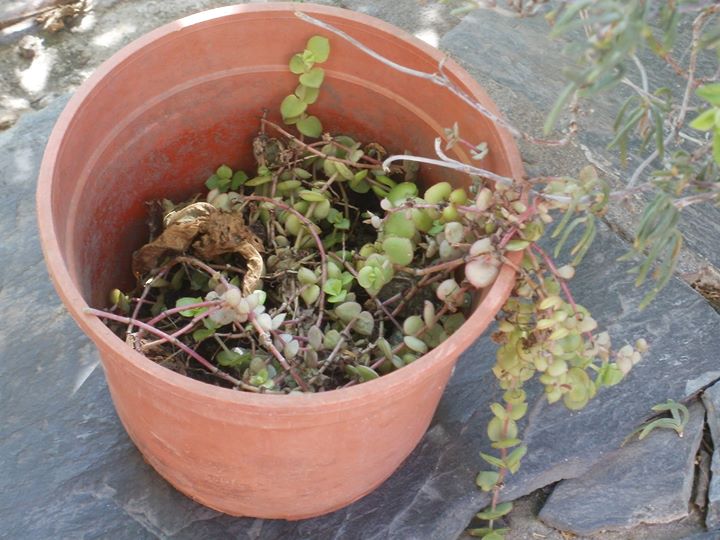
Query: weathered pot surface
point(153, 122)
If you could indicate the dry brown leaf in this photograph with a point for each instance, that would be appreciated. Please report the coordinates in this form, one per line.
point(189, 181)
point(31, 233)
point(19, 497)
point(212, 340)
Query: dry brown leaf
point(207, 233)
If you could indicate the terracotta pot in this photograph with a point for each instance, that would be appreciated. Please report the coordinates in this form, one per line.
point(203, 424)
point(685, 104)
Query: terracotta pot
point(154, 121)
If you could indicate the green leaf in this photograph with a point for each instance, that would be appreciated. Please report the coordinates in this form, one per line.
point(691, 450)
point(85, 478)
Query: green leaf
point(258, 181)
point(710, 93)
point(499, 411)
point(415, 344)
point(348, 311)
point(499, 511)
point(233, 358)
point(492, 460)
point(320, 48)
point(310, 294)
point(344, 171)
point(704, 121)
point(398, 250)
point(487, 533)
point(122, 301)
point(307, 94)
point(486, 480)
point(224, 172)
point(398, 225)
point(506, 443)
point(238, 179)
point(365, 324)
point(292, 106)
point(517, 245)
point(513, 460)
point(311, 196)
point(297, 64)
point(554, 114)
point(366, 373)
point(202, 333)
point(310, 126)
point(333, 286)
point(212, 182)
point(187, 301)
point(313, 78)
point(340, 297)
point(716, 146)
point(301, 173)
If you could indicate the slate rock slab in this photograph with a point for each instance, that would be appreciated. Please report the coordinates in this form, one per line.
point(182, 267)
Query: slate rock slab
point(711, 399)
point(648, 481)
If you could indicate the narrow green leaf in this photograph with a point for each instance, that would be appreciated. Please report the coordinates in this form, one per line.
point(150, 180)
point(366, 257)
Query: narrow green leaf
point(506, 443)
point(202, 333)
point(233, 359)
point(311, 196)
point(710, 93)
point(492, 460)
point(186, 301)
point(516, 245)
point(366, 373)
point(554, 114)
point(704, 121)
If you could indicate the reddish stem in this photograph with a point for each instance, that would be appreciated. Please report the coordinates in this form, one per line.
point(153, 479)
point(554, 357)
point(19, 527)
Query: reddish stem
point(563, 285)
point(266, 341)
point(151, 329)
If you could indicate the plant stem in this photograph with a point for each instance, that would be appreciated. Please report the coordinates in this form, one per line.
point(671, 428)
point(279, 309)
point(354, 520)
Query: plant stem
point(151, 329)
point(563, 285)
point(172, 311)
point(266, 342)
point(439, 78)
point(315, 151)
point(185, 329)
point(344, 335)
point(193, 261)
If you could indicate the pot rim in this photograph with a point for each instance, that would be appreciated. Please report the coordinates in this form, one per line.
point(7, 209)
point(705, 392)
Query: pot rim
point(394, 382)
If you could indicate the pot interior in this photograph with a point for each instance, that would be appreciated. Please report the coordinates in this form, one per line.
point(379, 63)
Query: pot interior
point(159, 119)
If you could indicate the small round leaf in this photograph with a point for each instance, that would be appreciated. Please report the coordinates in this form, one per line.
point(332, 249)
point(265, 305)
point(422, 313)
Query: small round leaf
point(310, 126)
point(398, 250)
point(292, 106)
point(320, 47)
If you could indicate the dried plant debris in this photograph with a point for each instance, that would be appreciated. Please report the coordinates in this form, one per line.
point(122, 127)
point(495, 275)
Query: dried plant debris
point(62, 15)
point(319, 272)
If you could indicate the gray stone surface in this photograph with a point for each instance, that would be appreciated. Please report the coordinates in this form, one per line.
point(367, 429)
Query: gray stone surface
point(67, 58)
point(643, 482)
point(67, 469)
point(711, 399)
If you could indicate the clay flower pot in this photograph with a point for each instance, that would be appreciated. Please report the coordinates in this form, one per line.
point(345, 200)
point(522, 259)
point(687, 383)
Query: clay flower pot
point(154, 121)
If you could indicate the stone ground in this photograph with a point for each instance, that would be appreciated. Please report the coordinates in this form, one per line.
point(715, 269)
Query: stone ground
point(69, 470)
